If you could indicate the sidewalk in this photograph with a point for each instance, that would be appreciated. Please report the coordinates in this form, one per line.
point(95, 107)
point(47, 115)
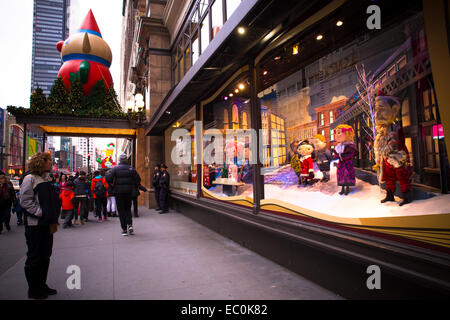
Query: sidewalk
point(169, 257)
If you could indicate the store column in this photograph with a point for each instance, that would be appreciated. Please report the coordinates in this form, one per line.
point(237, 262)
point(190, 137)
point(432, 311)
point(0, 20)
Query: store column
point(258, 181)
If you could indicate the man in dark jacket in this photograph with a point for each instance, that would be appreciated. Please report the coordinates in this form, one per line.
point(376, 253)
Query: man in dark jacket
point(134, 198)
point(39, 201)
point(164, 184)
point(80, 199)
point(155, 183)
point(7, 199)
point(124, 179)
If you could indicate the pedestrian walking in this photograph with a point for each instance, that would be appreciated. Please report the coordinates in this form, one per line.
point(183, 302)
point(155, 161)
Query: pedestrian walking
point(99, 189)
point(39, 202)
point(17, 209)
point(124, 178)
point(155, 183)
point(67, 197)
point(80, 200)
point(164, 184)
point(135, 196)
point(111, 201)
point(7, 199)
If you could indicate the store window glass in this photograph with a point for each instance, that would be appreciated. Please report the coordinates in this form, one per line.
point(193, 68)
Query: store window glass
point(325, 144)
point(227, 169)
point(217, 17)
point(232, 6)
point(180, 154)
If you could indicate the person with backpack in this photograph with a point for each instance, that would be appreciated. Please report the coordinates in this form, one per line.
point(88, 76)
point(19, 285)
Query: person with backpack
point(124, 178)
point(99, 188)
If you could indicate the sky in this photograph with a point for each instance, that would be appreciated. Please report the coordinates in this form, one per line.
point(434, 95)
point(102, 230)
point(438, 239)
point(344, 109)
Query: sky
point(16, 43)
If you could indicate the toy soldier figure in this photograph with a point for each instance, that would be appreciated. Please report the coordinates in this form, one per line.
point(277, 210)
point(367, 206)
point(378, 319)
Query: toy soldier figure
point(164, 184)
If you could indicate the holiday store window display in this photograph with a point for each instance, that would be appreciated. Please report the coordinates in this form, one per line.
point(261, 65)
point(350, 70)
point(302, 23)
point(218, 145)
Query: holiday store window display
point(321, 183)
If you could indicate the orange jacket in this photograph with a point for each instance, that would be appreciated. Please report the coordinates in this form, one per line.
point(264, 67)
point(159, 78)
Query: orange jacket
point(94, 181)
point(66, 197)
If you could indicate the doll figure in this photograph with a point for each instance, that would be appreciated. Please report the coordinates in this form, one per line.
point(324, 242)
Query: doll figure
point(296, 165)
point(323, 156)
point(345, 151)
point(306, 151)
point(391, 154)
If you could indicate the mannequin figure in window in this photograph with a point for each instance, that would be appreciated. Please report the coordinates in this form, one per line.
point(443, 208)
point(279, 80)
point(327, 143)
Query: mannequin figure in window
point(391, 154)
point(306, 150)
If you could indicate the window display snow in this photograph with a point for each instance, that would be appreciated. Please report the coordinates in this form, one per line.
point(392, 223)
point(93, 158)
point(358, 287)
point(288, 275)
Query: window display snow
point(362, 202)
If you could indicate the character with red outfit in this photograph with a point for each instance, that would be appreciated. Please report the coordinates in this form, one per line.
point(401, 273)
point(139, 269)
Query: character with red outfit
point(66, 197)
point(306, 150)
point(391, 154)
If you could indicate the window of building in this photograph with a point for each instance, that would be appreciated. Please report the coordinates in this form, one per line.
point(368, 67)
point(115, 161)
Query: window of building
point(217, 17)
point(232, 6)
point(180, 154)
point(205, 31)
point(330, 114)
point(322, 119)
point(227, 171)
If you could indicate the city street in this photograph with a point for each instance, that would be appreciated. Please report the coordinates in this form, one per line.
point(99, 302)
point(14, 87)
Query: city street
point(170, 257)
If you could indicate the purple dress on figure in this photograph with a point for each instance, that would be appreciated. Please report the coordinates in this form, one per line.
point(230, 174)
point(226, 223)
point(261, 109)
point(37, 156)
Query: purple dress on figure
point(345, 171)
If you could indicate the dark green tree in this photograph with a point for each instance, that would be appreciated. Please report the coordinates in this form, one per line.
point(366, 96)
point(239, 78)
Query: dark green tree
point(76, 100)
point(111, 102)
point(96, 98)
point(38, 101)
point(58, 99)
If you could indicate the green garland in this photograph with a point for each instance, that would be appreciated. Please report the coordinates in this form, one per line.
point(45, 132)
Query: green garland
point(99, 104)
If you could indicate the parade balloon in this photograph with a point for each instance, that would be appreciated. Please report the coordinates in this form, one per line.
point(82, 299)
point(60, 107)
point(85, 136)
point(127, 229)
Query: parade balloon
point(86, 57)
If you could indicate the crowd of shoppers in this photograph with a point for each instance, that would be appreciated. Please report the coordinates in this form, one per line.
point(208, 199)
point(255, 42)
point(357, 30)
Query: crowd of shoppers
point(44, 198)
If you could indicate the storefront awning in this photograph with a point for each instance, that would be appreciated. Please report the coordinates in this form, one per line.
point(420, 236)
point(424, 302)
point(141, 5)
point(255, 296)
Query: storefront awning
point(227, 53)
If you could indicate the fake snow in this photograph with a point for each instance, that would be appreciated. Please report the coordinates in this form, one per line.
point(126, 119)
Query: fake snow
point(363, 201)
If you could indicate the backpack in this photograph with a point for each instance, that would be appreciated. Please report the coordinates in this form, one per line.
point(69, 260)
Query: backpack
point(99, 189)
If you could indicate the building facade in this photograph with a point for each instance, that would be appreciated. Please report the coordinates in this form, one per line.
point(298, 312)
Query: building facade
point(241, 65)
point(50, 25)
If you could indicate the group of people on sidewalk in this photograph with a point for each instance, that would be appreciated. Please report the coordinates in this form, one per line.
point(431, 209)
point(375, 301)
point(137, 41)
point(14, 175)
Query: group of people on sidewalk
point(42, 201)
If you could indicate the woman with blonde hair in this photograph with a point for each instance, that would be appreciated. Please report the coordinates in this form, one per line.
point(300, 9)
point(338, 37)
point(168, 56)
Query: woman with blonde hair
point(39, 201)
point(345, 151)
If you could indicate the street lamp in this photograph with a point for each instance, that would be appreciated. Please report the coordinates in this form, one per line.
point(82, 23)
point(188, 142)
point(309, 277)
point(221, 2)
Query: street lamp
point(137, 104)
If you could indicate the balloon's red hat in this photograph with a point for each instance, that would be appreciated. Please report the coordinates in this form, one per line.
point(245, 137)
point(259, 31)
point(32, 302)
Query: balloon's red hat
point(89, 25)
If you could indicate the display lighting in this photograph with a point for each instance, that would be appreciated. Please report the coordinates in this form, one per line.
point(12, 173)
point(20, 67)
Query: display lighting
point(230, 94)
point(241, 86)
point(241, 30)
point(225, 98)
point(11, 171)
point(319, 37)
point(265, 73)
point(339, 23)
point(277, 58)
point(236, 91)
point(295, 49)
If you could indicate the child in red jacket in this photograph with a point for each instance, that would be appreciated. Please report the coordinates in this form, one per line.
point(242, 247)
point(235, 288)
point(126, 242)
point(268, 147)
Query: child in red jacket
point(66, 197)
